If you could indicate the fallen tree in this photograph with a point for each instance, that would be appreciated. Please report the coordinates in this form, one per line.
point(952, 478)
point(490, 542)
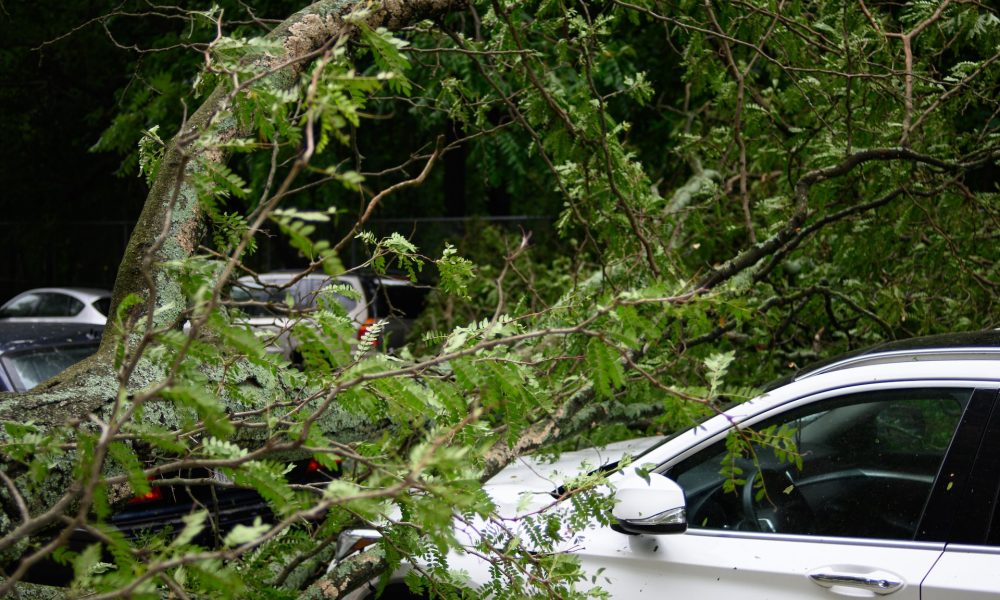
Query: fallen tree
point(805, 169)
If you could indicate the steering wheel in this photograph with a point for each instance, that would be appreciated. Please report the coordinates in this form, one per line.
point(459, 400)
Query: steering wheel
point(782, 509)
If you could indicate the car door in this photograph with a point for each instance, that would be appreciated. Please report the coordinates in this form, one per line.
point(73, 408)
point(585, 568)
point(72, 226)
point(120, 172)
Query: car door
point(825, 499)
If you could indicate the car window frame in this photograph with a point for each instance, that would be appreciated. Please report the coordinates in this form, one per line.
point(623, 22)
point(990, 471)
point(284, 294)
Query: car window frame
point(969, 433)
point(958, 478)
point(979, 527)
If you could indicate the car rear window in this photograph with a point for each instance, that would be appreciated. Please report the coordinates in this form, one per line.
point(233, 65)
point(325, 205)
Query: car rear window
point(102, 305)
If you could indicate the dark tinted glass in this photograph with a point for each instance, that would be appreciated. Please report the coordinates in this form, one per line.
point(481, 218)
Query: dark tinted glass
point(43, 304)
point(58, 305)
point(29, 370)
point(859, 466)
point(102, 305)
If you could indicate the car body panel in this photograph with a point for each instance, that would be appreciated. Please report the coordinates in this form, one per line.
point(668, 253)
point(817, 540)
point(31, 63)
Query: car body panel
point(720, 564)
point(536, 475)
point(964, 573)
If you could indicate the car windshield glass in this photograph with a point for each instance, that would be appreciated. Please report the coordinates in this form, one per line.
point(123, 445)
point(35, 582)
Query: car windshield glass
point(304, 296)
point(31, 369)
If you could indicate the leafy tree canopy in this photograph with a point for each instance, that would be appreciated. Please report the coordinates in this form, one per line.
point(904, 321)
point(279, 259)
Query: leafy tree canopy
point(738, 188)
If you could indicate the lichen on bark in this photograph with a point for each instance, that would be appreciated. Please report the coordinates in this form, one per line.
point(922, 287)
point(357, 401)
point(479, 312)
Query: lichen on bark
point(170, 229)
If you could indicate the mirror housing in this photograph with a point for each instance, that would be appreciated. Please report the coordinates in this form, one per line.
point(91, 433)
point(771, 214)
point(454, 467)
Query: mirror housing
point(652, 504)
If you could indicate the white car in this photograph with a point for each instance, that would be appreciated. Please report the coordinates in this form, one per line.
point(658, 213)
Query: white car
point(893, 489)
point(58, 305)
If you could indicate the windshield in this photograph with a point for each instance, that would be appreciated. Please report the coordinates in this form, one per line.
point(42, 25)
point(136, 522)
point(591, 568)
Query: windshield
point(304, 295)
point(28, 370)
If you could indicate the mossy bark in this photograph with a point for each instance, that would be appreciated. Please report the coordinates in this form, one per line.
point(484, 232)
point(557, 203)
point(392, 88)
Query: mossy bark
point(170, 228)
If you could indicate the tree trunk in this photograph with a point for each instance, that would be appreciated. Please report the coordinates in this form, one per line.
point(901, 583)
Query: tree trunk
point(169, 229)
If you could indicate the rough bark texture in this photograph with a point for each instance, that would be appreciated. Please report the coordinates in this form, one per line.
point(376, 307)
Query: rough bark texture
point(173, 224)
point(302, 34)
point(85, 388)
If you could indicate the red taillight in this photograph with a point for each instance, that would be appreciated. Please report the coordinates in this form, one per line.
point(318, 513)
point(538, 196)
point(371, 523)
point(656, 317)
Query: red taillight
point(155, 493)
point(364, 329)
point(313, 465)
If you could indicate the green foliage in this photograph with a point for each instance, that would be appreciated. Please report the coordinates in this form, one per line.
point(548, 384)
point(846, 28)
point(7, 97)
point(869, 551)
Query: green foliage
point(151, 149)
point(392, 252)
point(205, 405)
point(605, 366)
point(387, 51)
point(456, 272)
point(127, 459)
point(696, 239)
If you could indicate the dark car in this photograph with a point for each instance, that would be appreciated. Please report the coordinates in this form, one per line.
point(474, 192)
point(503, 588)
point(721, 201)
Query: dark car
point(31, 352)
point(164, 508)
point(272, 300)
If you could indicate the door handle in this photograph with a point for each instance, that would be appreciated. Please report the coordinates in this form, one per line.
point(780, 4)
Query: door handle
point(878, 582)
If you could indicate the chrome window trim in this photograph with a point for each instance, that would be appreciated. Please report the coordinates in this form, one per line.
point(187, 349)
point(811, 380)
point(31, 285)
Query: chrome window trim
point(943, 354)
point(818, 539)
point(972, 549)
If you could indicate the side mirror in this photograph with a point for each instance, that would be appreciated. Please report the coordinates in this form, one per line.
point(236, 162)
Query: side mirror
point(653, 505)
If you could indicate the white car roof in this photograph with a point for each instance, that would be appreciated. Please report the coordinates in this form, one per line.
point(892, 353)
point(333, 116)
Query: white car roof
point(81, 293)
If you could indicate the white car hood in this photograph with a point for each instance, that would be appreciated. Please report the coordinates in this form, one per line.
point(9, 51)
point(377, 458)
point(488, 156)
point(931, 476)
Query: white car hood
point(540, 476)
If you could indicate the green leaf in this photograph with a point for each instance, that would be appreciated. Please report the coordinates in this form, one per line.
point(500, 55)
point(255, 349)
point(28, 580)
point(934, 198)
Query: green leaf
point(194, 523)
point(208, 407)
point(456, 272)
point(126, 458)
point(604, 364)
point(717, 364)
point(243, 534)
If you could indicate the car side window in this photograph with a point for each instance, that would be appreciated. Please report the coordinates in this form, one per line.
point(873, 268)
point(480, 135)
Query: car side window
point(312, 293)
point(58, 305)
point(861, 465)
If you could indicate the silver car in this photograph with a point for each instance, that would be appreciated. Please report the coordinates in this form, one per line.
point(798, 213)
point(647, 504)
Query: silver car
point(58, 305)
